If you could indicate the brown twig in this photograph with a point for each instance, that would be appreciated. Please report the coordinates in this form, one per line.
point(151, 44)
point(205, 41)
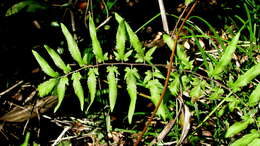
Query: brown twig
point(169, 125)
point(11, 88)
point(139, 138)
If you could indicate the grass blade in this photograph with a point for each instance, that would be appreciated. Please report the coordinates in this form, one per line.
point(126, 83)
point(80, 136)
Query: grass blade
point(226, 57)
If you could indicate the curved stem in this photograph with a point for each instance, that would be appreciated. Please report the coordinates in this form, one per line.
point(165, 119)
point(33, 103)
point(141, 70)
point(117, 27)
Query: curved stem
point(139, 138)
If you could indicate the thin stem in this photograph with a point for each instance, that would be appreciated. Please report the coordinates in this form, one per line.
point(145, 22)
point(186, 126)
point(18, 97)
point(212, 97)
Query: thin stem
point(139, 138)
point(212, 112)
point(118, 63)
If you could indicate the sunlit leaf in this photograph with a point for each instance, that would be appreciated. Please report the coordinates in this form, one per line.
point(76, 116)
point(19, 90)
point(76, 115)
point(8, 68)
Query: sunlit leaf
point(236, 128)
point(254, 97)
point(88, 56)
point(221, 111)
point(226, 57)
point(112, 84)
point(120, 41)
point(158, 74)
point(187, 2)
point(246, 139)
point(168, 40)
point(127, 55)
point(155, 88)
point(130, 76)
point(72, 45)
point(255, 142)
point(44, 65)
point(46, 87)
point(196, 92)
point(57, 59)
point(78, 88)
point(26, 140)
point(148, 77)
point(182, 56)
point(92, 85)
point(61, 88)
point(185, 80)
point(27, 5)
point(137, 45)
point(244, 79)
point(232, 103)
point(217, 93)
point(148, 55)
point(97, 50)
point(174, 85)
point(118, 18)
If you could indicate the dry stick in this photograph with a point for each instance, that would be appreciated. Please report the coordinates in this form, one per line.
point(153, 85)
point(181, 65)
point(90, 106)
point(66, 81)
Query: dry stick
point(11, 88)
point(167, 77)
point(60, 136)
point(163, 15)
point(168, 127)
point(73, 25)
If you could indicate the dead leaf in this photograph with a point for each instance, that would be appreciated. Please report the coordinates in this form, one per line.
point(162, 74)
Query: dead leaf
point(23, 113)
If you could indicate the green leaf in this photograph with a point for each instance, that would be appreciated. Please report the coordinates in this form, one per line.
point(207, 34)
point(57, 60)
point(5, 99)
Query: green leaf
point(197, 90)
point(92, 85)
point(181, 54)
point(226, 57)
point(26, 140)
point(148, 77)
point(232, 103)
point(88, 56)
point(78, 88)
point(44, 65)
point(97, 50)
point(120, 41)
point(244, 79)
point(254, 98)
point(112, 85)
point(246, 139)
point(158, 74)
point(72, 45)
point(148, 55)
point(28, 5)
point(57, 59)
point(61, 88)
point(236, 128)
point(174, 86)
point(155, 88)
point(130, 77)
point(187, 2)
point(137, 45)
point(255, 142)
point(217, 93)
point(168, 40)
point(46, 87)
point(118, 18)
point(127, 55)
